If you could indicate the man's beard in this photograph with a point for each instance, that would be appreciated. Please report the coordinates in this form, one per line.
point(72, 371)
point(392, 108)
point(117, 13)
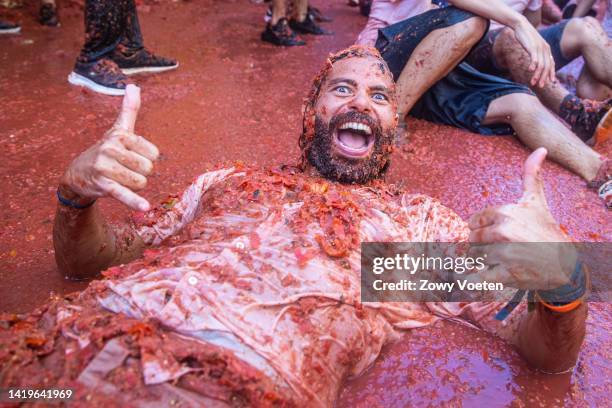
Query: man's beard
point(321, 154)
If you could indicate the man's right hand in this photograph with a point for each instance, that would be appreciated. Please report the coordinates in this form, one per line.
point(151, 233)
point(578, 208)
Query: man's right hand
point(117, 165)
point(507, 233)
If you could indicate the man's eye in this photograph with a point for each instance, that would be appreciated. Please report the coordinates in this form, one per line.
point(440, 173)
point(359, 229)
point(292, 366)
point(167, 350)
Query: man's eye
point(342, 89)
point(380, 97)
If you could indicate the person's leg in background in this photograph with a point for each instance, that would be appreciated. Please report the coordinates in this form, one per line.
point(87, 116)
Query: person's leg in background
point(300, 10)
point(109, 25)
point(590, 120)
point(537, 127)
point(131, 55)
point(585, 37)
point(588, 87)
point(104, 25)
point(277, 29)
point(279, 10)
point(304, 22)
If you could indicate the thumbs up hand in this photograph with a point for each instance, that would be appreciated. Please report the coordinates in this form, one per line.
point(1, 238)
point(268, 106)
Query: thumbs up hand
point(117, 165)
point(508, 235)
point(528, 220)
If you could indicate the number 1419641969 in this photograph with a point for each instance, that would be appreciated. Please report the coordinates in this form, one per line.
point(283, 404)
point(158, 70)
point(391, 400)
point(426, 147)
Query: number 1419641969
point(32, 394)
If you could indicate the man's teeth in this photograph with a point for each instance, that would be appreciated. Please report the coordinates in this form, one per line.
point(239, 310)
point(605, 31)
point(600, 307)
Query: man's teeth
point(357, 126)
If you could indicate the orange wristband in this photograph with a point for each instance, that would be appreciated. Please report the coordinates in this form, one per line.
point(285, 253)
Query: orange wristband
point(560, 309)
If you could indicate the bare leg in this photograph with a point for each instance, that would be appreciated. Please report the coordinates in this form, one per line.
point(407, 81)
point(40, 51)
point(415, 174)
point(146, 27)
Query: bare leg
point(537, 127)
point(300, 9)
point(586, 37)
point(589, 88)
point(434, 58)
point(278, 30)
point(279, 10)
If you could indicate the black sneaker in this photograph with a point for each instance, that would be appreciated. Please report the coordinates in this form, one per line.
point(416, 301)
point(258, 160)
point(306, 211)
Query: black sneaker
point(308, 26)
point(281, 34)
point(103, 76)
point(9, 28)
point(594, 122)
point(48, 15)
point(142, 61)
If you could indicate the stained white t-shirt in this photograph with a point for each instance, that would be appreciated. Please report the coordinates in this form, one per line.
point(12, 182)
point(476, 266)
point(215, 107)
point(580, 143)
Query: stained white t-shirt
point(267, 264)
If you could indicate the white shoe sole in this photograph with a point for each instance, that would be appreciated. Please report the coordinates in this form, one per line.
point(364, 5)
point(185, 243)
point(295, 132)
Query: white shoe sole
point(15, 30)
point(150, 70)
point(605, 193)
point(80, 80)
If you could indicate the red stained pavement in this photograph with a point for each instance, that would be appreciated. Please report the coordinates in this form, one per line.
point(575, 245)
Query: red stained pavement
point(236, 98)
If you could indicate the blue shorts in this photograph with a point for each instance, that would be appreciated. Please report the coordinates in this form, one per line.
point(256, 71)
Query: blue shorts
point(460, 99)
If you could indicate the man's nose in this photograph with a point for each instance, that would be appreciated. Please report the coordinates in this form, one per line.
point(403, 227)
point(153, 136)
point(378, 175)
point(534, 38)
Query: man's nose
point(361, 102)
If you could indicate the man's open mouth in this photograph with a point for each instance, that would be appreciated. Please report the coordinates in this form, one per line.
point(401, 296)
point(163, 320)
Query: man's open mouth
point(353, 140)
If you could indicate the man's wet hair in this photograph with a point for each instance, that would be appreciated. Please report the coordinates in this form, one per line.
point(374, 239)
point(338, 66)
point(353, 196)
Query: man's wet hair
point(308, 121)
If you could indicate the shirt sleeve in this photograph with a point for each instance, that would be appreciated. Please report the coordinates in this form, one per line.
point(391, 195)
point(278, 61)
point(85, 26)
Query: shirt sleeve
point(171, 216)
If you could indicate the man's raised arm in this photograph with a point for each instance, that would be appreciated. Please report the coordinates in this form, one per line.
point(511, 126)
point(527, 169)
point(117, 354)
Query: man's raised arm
point(529, 251)
point(116, 166)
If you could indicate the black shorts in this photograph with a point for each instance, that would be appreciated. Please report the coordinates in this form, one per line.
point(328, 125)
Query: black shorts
point(460, 99)
point(483, 59)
